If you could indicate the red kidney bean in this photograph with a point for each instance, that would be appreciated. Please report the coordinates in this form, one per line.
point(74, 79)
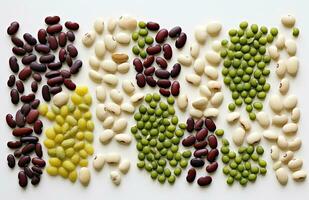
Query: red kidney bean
point(14, 96)
point(17, 153)
point(27, 149)
point(200, 153)
point(52, 74)
point(76, 66)
point(38, 150)
point(72, 50)
point(22, 179)
point(161, 35)
point(37, 77)
point(27, 98)
point(38, 126)
point(19, 51)
point(37, 170)
point(181, 40)
point(70, 36)
point(212, 141)
point(24, 161)
point(212, 155)
point(42, 35)
point(175, 89)
point(29, 139)
point(50, 20)
point(148, 61)
point(11, 161)
point(69, 84)
point(191, 175)
point(197, 162)
point(55, 90)
point(153, 26)
point(52, 42)
point(71, 25)
point(188, 141)
point(45, 93)
point(35, 103)
point(29, 39)
point(161, 62)
point(152, 50)
point(11, 81)
point(54, 66)
point(38, 162)
point(190, 124)
point(55, 81)
point(163, 83)
point(32, 116)
point(25, 109)
point(17, 42)
point(212, 167)
point(20, 86)
point(198, 124)
point(210, 125)
point(167, 51)
point(151, 81)
point(26, 60)
point(14, 144)
point(28, 48)
point(200, 145)
point(35, 180)
point(140, 80)
point(13, 64)
point(13, 28)
point(20, 119)
point(149, 71)
point(10, 121)
point(28, 172)
point(161, 73)
point(69, 60)
point(62, 39)
point(25, 73)
point(47, 58)
point(42, 48)
point(202, 134)
point(138, 65)
point(65, 73)
point(204, 180)
point(53, 29)
point(175, 32)
point(164, 92)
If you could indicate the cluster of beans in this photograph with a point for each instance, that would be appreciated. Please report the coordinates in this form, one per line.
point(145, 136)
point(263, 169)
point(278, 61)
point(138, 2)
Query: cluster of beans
point(239, 166)
point(245, 65)
point(145, 69)
point(158, 139)
point(69, 140)
point(200, 140)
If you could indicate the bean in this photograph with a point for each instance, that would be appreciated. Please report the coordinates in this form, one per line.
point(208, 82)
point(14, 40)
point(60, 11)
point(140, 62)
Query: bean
point(160, 73)
point(140, 80)
point(45, 93)
point(120, 58)
point(17, 42)
point(70, 36)
point(165, 92)
point(76, 66)
point(17, 153)
point(153, 26)
point(175, 32)
point(161, 62)
point(22, 179)
point(151, 81)
point(13, 64)
point(13, 28)
point(25, 73)
point(148, 61)
point(212, 141)
point(27, 98)
point(20, 119)
point(25, 109)
point(35, 180)
point(190, 124)
point(212, 155)
point(11, 161)
point(37, 127)
point(189, 141)
point(14, 96)
point(54, 66)
point(149, 71)
point(14, 144)
point(29, 39)
point(26, 60)
point(53, 29)
point(161, 35)
point(167, 51)
point(175, 89)
point(29, 139)
point(29, 172)
point(163, 83)
point(38, 162)
point(191, 175)
point(176, 70)
point(198, 124)
point(10, 121)
point(196, 162)
point(181, 40)
point(42, 48)
point(200, 153)
point(19, 51)
point(204, 180)
point(20, 86)
point(69, 84)
point(47, 58)
point(42, 36)
point(35, 103)
point(50, 20)
point(28, 48)
point(28, 149)
point(52, 42)
point(72, 50)
point(24, 161)
point(152, 50)
point(32, 116)
point(201, 134)
point(210, 125)
point(71, 25)
point(138, 65)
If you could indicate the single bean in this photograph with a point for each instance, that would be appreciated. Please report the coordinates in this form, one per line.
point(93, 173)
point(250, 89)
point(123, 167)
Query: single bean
point(161, 35)
point(181, 40)
point(53, 29)
point(212, 141)
point(200, 153)
point(152, 50)
point(14, 96)
point(189, 141)
point(69, 84)
point(161, 62)
point(71, 25)
point(62, 39)
point(197, 162)
point(26, 60)
point(13, 28)
point(200, 145)
point(42, 36)
point(175, 89)
point(10, 121)
point(212, 167)
point(204, 180)
point(202, 134)
point(198, 124)
point(17, 42)
point(211, 126)
point(52, 42)
point(212, 155)
point(22, 179)
point(151, 81)
point(19, 51)
point(140, 80)
point(191, 175)
point(14, 144)
point(11, 161)
point(46, 93)
point(42, 48)
point(148, 61)
point(47, 58)
point(149, 71)
point(175, 32)
point(13, 64)
point(163, 83)
point(20, 86)
point(50, 20)
point(167, 51)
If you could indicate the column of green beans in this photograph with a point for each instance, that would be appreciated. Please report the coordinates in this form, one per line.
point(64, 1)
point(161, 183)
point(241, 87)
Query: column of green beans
point(158, 135)
point(245, 65)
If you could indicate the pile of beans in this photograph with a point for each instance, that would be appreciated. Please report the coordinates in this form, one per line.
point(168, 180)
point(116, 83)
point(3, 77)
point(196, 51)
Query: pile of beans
point(158, 139)
point(245, 65)
point(69, 140)
point(199, 141)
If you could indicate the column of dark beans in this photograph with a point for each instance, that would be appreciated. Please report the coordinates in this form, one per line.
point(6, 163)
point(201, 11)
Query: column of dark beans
point(26, 65)
point(200, 138)
point(145, 69)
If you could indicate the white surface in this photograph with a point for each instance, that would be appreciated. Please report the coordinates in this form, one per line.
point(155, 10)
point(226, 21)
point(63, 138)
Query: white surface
point(137, 184)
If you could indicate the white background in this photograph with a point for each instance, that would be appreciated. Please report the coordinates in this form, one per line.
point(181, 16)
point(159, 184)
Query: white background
point(187, 14)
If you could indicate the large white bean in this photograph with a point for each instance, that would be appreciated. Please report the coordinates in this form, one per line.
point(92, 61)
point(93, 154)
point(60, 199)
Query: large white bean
point(123, 138)
point(205, 91)
point(120, 125)
point(275, 103)
point(282, 142)
point(137, 97)
point(193, 79)
point(200, 34)
point(109, 66)
point(254, 138)
point(99, 49)
point(100, 93)
point(198, 66)
point(286, 157)
point(110, 79)
point(185, 60)
point(113, 108)
point(290, 102)
point(245, 123)
point(110, 43)
point(217, 99)
point(61, 99)
point(291, 47)
point(89, 38)
point(290, 128)
point(194, 49)
point(281, 68)
point(211, 72)
point(216, 46)
point(238, 136)
point(124, 166)
point(274, 152)
point(211, 112)
point(284, 86)
point(128, 87)
point(200, 103)
point(123, 68)
point(108, 122)
point(116, 96)
point(95, 76)
point(288, 20)
point(101, 112)
point(106, 136)
point(282, 176)
point(295, 115)
point(112, 158)
point(127, 23)
point(292, 65)
point(111, 24)
point(280, 41)
point(182, 101)
point(213, 58)
point(273, 52)
point(123, 38)
point(299, 175)
point(232, 117)
point(213, 28)
point(270, 135)
point(99, 25)
point(280, 120)
point(295, 164)
point(94, 62)
point(195, 113)
point(263, 119)
point(84, 175)
point(127, 107)
point(98, 162)
point(214, 86)
point(295, 144)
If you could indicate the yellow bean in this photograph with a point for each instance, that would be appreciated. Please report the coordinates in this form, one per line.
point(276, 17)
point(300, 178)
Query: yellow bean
point(50, 115)
point(60, 153)
point(87, 115)
point(69, 152)
point(80, 135)
point(83, 153)
point(68, 165)
point(88, 99)
point(59, 138)
point(77, 114)
point(82, 124)
point(88, 136)
point(89, 149)
point(83, 163)
point(83, 107)
point(73, 176)
point(49, 143)
point(50, 133)
point(68, 143)
point(57, 128)
point(79, 145)
point(81, 90)
point(55, 109)
point(74, 129)
point(43, 109)
point(69, 135)
point(52, 152)
point(71, 120)
point(75, 158)
point(90, 125)
point(76, 99)
point(55, 162)
point(52, 171)
point(59, 119)
point(64, 111)
point(65, 127)
point(63, 172)
point(71, 107)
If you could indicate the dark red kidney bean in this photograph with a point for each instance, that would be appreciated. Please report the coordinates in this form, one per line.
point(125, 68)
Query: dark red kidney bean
point(148, 61)
point(55, 81)
point(28, 172)
point(69, 84)
point(153, 26)
point(29, 39)
point(212, 167)
point(138, 65)
point(198, 124)
point(190, 124)
point(20, 86)
point(71, 25)
point(176, 70)
point(32, 116)
point(54, 66)
point(149, 71)
point(35, 180)
point(13, 64)
point(47, 58)
point(13, 28)
point(163, 83)
point(29, 139)
point(22, 179)
point(212, 141)
point(76, 66)
point(11, 161)
point(25, 73)
point(38, 150)
point(42, 35)
point(14, 144)
point(161, 73)
point(45, 93)
point(55, 90)
point(28, 48)
point(50, 20)
point(14, 96)
point(37, 77)
point(17, 42)
point(175, 32)
point(210, 125)
point(52, 42)
point(161, 62)
point(161, 35)
point(212, 155)
point(165, 92)
point(70, 36)
point(200, 153)
point(62, 39)
point(10, 121)
point(204, 181)
point(20, 119)
point(188, 141)
point(191, 175)
point(181, 40)
point(52, 74)
point(151, 81)
point(72, 50)
point(200, 145)
point(175, 89)
point(27, 149)
point(38, 67)
point(25, 109)
point(26, 60)
point(37, 170)
point(27, 98)
point(24, 161)
point(11, 81)
point(65, 73)
point(152, 50)
point(140, 80)
point(38, 162)
point(202, 134)
point(53, 29)
point(17, 153)
point(38, 126)
point(197, 162)
point(19, 51)
point(42, 48)
point(167, 51)
point(69, 60)
point(35, 103)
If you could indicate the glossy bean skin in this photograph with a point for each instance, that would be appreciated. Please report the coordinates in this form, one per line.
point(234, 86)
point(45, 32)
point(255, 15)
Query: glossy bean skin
point(204, 181)
point(212, 155)
point(175, 89)
point(198, 124)
point(148, 61)
point(17, 42)
point(152, 50)
point(13, 64)
point(161, 62)
point(212, 141)
point(200, 145)
point(212, 167)
point(165, 92)
point(163, 83)
point(196, 162)
point(181, 41)
point(153, 26)
point(189, 141)
point(42, 36)
point(163, 74)
point(190, 124)
point(211, 126)
point(138, 65)
point(50, 20)
point(167, 51)
point(176, 70)
point(175, 32)
point(191, 175)
point(161, 36)
point(140, 80)
point(201, 134)
point(151, 81)
point(200, 153)
point(13, 28)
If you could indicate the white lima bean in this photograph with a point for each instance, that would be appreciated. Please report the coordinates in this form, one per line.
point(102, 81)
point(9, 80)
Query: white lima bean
point(137, 97)
point(282, 142)
point(281, 69)
point(291, 47)
point(123, 38)
point(112, 24)
point(127, 107)
point(233, 117)
point(211, 112)
point(193, 79)
point(108, 122)
point(284, 86)
point(113, 108)
point(106, 136)
point(299, 175)
point(123, 138)
point(290, 102)
point(109, 66)
point(89, 38)
point(115, 177)
point(290, 128)
point(295, 115)
point(198, 66)
point(273, 52)
point(112, 158)
point(95, 76)
point(127, 23)
point(99, 25)
point(110, 80)
point(61, 99)
point(254, 138)
point(214, 28)
point(101, 112)
point(200, 34)
point(94, 63)
point(274, 152)
point(288, 20)
point(216, 46)
point(84, 176)
point(116, 96)
point(245, 123)
point(295, 164)
point(100, 49)
point(286, 157)
point(123, 68)
point(270, 135)
point(280, 120)
point(128, 87)
point(200, 103)
point(295, 144)
point(110, 43)
point(124, 166)
point(100, 93)
point(263, 119)
point(277, 165)
point(205, 91)
point(213, 58)
point(275, 103)
point(98, 162)
point(282, 176)
point(214, 86)
point(238, 136)
point(195, 113)
point(211, 72)
point(185, 60)
point(280, 41)
point(120, 125)
point(292, 65)
point(194, 49)
point(217, 99)
point(182, 101)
